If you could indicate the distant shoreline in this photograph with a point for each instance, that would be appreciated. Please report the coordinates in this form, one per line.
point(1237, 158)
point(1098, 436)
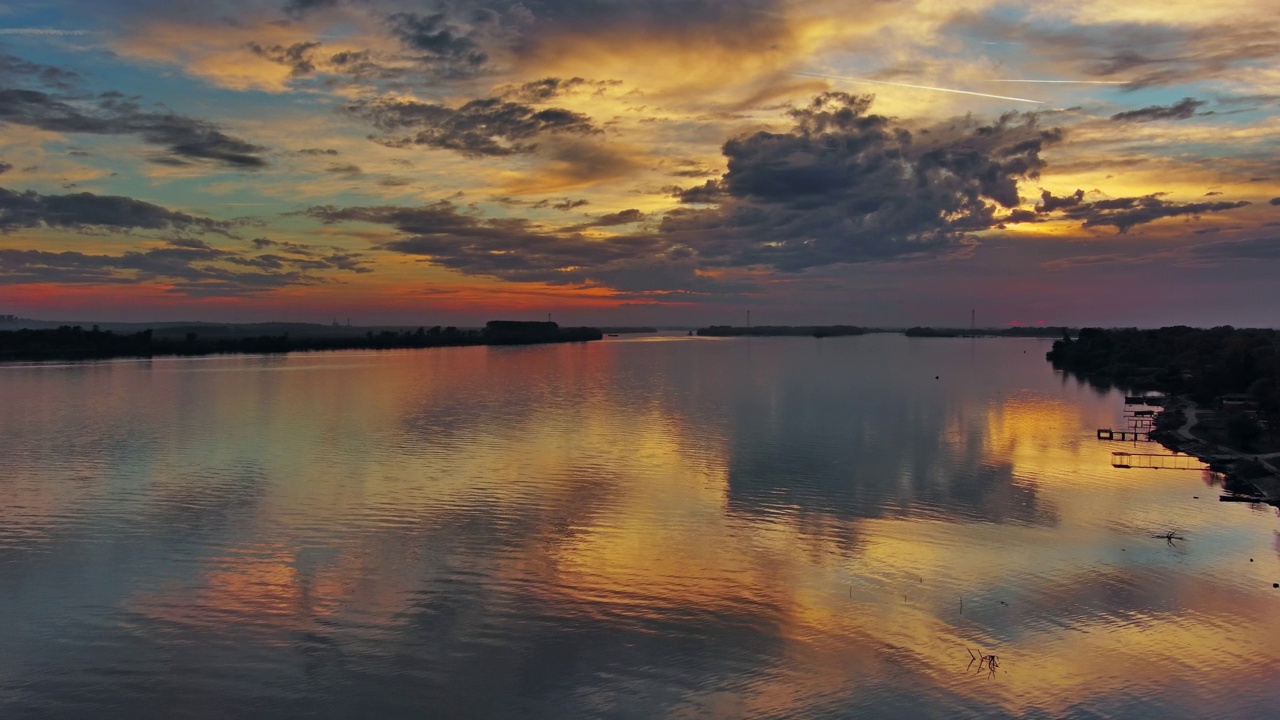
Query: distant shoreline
point(74, 343)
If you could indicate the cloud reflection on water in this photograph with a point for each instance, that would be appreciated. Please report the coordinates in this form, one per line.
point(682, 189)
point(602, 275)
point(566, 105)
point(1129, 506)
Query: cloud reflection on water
point(778, 527)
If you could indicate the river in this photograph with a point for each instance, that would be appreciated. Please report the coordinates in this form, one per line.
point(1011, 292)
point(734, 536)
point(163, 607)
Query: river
point(642, 527)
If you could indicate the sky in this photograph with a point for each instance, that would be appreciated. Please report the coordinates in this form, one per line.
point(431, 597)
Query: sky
point(634, 162)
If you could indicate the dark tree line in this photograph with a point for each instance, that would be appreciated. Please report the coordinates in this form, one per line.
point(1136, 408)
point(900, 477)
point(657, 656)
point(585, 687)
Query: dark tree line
point(1205, 364)
point(76, 343)
point(1035, 331)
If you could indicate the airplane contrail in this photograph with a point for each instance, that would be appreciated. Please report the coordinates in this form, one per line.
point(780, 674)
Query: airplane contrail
point(858, 81)
point(1067, 82)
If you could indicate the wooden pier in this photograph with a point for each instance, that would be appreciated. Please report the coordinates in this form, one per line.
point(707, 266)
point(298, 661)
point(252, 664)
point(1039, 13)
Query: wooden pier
point(1124, 435)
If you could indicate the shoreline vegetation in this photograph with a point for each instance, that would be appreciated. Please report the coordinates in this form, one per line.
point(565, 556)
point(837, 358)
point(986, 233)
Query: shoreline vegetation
point(1222, 385)
point(76, 343)
point(1030, 331)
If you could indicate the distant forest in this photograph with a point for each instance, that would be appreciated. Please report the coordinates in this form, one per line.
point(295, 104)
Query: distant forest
point(1020, 331)
point(76, 343)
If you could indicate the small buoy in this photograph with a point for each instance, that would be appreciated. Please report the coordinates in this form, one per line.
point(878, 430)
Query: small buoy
point(1195, 497)
point(935, 377)
point(1250, 559)
point(1275, 585)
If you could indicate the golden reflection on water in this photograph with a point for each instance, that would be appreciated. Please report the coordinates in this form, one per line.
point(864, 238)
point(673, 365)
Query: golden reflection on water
point(581, 487)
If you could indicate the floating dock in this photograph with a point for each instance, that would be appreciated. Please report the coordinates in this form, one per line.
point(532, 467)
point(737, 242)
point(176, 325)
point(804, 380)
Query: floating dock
point(1155, 461)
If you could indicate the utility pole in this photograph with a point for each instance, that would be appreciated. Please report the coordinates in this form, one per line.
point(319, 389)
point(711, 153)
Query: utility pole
point(973, 322)
point(748, 319)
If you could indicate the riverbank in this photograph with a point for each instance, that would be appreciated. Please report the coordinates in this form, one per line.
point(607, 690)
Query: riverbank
point(1224, 385)
point(1246, 474)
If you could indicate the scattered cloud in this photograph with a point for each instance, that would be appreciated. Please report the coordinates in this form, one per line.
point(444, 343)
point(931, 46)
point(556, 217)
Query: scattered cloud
point(507, 248)
point(488, 126)
point(298, 57)
point(185, 139)
point(191, 267)
point(79, 211)
point(550, 88)
point(1126, 212)
point(1181, 110)
point(623, 217)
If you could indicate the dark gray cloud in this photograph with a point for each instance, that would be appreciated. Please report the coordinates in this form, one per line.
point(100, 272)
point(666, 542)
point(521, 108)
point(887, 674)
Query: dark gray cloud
point(317, 151)
point(1126, 212)
point(5, 167)
point(842, 186)
point(710, 191)
point(1181, 110)
point(488, 126)
point(1274, 201)
point(439, 42)
point(79, 211)
point(1049, 203)
point(845, 186)
point(344, 169)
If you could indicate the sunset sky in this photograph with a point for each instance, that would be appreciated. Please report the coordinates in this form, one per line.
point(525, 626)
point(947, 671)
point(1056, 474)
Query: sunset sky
point(641, 161)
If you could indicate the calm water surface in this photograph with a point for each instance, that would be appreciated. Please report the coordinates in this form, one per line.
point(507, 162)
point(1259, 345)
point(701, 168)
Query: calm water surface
point(639, 527)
